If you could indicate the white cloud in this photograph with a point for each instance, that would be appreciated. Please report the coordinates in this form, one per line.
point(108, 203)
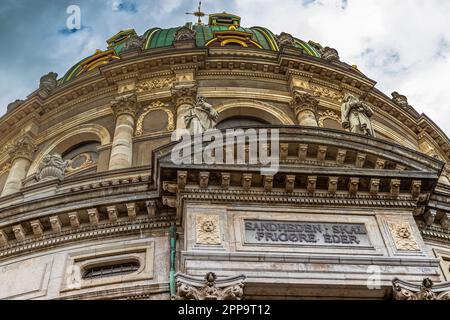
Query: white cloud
point(403, 45)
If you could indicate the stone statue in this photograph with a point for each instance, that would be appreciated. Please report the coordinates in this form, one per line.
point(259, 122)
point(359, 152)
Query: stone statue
point(329, 54)
point(356, 116)
point(52, 167)
point(285, 39)
point(400, 100)
point(201, 117)
point(49, 81)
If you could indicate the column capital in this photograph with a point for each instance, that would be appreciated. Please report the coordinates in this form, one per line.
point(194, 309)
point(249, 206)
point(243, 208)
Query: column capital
point(184, 93)
point(304, 101)
point(209, 288)
point(125, 104)
point(427, 291)
point(22, 148)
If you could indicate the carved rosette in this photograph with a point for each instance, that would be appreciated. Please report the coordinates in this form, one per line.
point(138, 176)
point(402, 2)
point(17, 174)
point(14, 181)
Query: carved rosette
point(52, 167)
point(185, 34)
point(126, 104)
point(208, 230)
point(304, 101)
point(330, 54)
point(403, 237)
point(427, 291)
point(210, 288)
point(184, 93)
point(285, 39)
point(23, 148)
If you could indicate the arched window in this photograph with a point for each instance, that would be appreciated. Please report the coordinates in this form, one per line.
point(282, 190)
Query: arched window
point(236, 122)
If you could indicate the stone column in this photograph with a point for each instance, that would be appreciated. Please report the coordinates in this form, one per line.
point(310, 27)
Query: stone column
point(125, 109)
point(21, 156)
point(184, 95)
point(305, 108)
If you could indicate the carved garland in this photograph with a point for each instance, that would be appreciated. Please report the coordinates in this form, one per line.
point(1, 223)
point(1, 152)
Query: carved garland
point(153, 84)
point(155, 107)
point(328, 115)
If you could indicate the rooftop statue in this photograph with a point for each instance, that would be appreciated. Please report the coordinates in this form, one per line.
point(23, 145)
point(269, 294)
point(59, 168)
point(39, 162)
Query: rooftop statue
point(201, 117)
point(356, 116)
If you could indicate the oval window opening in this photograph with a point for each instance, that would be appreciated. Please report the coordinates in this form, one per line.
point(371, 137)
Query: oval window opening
point(110, 270)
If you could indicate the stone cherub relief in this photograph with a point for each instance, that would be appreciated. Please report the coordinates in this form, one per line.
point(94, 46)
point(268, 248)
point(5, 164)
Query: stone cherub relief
point(201, 117)
point(357, 116)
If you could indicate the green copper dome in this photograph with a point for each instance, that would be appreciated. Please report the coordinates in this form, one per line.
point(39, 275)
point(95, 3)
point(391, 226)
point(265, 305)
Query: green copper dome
point(223, 29)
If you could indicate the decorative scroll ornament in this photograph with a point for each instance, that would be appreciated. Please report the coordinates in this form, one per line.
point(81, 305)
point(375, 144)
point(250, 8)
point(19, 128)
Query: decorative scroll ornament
point(185, 34)
point(285, 39)
point(400, 100)
point(427, 291)
point(155, 107)
point(52, 167)
point(357, 116)
point(201, 117)
point(134, 42)
point(403, 238)
point(49, 81)
point(125, 104)
point(86, 162)
point(191, 288)
point(328, 114)
point(208, 230)
point(149, 85)
point(329, 54)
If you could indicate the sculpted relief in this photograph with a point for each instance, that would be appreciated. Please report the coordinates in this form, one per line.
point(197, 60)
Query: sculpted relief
point(357, 116)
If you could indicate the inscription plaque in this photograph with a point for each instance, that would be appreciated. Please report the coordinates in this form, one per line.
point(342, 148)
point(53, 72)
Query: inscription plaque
point(306, 233)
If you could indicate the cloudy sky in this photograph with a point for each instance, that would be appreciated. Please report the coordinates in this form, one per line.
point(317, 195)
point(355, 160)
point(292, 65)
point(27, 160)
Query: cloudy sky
point(403, 45)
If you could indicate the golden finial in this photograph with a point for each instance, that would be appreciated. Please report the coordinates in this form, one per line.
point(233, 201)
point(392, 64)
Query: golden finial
point(199, 14)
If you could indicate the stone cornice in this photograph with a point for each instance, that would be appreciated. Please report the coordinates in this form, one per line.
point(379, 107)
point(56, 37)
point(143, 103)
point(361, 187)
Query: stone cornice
point(52, 240)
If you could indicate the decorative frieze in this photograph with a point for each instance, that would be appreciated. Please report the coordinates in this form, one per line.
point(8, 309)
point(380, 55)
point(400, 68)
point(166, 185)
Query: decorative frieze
point(208, 229)
point(403, 237)
point(211, 288)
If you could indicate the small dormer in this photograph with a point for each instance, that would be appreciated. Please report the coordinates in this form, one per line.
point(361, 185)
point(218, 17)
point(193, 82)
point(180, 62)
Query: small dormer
point(224, 19)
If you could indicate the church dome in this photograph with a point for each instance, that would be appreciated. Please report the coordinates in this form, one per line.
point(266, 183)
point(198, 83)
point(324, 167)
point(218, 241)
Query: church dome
point(223, 29)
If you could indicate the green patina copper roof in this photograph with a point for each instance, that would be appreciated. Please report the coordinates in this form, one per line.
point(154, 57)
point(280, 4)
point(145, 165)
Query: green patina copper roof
point(161, 38)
